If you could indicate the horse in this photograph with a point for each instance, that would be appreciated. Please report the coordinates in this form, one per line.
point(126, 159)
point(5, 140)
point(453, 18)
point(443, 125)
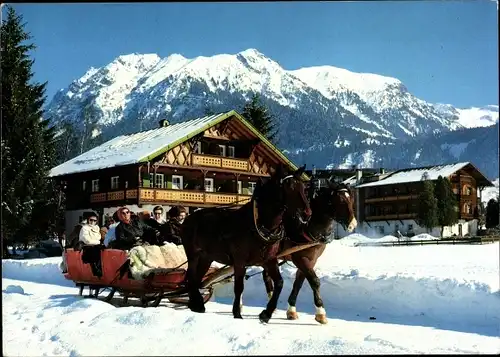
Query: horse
point(334, 202)
point(244, 237)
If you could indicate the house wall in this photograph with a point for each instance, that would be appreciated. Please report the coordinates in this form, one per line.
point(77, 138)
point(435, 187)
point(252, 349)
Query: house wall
point(72, 218)
point(391, 226)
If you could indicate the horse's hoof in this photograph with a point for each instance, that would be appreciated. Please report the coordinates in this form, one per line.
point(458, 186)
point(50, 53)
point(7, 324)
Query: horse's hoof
point(198, 309)
point(237, 316)
point(264, 317)
point(321, 319)
point(292, 315)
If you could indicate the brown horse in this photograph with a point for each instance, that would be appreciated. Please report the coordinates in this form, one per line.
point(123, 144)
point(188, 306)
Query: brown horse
point(331, 203)
point(243, 237)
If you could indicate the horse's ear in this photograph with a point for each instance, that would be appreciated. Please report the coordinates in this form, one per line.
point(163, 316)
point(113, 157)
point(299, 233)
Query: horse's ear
point(300, 171)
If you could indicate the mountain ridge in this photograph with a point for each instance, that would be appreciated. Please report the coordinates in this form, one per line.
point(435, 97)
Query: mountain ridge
point(324, 109)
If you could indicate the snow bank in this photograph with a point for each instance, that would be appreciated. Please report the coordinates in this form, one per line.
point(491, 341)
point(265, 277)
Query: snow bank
point(355, 239)
point(455, 284)
point(45, 271)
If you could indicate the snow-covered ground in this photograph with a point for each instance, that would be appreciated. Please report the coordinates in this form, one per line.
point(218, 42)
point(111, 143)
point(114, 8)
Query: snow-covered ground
point(425, 299)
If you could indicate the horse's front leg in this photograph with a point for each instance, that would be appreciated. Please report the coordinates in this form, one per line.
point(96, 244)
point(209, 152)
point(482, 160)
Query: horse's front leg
point(306, 266)
point(274, 272)
point(268, 283)
point(291, 313)
point(239, 276)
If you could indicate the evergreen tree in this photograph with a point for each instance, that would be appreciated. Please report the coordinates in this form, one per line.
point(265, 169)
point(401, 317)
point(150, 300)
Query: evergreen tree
point(427, 206)
point(88, 136)
point(67, 143)
point(27, 139)
point(258, 115)
point(492, 213)
point(208, 111)
point(447, 204)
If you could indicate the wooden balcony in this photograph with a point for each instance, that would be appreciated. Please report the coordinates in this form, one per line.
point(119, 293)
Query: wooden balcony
point(391, 198)
point(158, 195)
point(219, 162)
point(113, 196)
point(391, 217)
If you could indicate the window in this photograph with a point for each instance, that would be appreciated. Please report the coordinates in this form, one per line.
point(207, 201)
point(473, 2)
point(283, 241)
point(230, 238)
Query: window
point(160, 180)
point(230, 151)
point(222, 150)
point(410, 227)
point(239, 187)
point(95, 185)
point(467, 190)
point(177, 183)
point(467, 208)
point(84, 186)
point(151, 180)
point(114, 182)
point(209, 185)
point(126, 184)
point(251, 187)
point(197, 147)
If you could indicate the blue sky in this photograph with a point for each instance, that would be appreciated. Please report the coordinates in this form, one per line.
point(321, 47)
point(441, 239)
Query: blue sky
point(443, 51)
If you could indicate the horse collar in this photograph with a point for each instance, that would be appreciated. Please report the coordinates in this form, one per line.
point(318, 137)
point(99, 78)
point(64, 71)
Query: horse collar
point(265, 234)
point(286, 178)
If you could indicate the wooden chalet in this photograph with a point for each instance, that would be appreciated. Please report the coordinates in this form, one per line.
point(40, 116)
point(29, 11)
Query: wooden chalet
point(388, 202)
point(210, 161)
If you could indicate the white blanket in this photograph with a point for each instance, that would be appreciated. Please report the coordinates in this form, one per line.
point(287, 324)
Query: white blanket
point(149, 258)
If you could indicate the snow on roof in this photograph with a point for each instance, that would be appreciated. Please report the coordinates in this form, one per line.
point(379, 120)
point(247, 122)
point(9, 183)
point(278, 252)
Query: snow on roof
point(135, 148)
point(350, 181)
point(414, 175)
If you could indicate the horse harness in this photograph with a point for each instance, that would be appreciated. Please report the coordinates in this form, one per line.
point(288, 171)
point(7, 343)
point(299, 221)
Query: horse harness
point(266, 235)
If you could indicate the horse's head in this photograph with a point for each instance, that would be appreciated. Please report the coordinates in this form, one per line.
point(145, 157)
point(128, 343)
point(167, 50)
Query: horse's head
point(285, 190)
point(337, 201)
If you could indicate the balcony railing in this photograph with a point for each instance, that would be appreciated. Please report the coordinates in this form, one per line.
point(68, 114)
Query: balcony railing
point(210, 198)
point(220, 162)
point(158, 195)
point(113, 196)
point(391, 216)
point(391, 198)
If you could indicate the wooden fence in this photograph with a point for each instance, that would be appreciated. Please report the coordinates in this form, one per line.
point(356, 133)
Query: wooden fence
point(452, 241)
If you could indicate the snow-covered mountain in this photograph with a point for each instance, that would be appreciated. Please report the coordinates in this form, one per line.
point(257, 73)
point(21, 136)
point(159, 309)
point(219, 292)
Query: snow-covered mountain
point(342, 116)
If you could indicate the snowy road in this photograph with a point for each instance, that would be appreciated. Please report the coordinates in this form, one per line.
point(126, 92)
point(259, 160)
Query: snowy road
point(49, 320)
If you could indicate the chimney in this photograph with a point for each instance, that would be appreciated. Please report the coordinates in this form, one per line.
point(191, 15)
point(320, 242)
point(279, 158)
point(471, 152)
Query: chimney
point(163, 123)
point(382, 171)
point(359, 174)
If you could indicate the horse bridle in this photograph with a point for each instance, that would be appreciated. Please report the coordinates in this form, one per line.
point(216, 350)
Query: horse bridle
point(264, 233)
point(335, 191)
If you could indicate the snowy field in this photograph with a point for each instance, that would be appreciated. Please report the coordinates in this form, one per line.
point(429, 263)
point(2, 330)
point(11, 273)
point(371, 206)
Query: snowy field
point(395, 300)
